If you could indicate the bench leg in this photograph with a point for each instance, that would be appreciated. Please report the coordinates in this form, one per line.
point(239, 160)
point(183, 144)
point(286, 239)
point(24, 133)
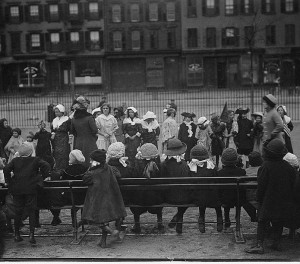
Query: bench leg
point(77, 239)
point(239, 238)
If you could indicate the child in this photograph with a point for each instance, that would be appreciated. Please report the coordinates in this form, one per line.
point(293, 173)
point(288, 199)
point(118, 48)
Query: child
point(231, 130)
point(23, 186)
point(275, 182)
point(13, 144)
point(150, 129)
point(257, 132)
point(103, 202)
point(203, 133)
point(175, 166)
point(202, 166)
point(29, 141)
point(186, 133)
point(229, 160)
point(147, 166)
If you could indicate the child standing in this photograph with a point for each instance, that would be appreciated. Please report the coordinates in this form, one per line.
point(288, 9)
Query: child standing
point(103, 202)
point(29, 141)
point(23, 186)
point(13, 144)
point(257, 133)
point(203, 133)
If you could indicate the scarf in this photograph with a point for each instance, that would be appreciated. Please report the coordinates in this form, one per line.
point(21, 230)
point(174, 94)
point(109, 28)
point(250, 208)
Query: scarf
point(58, 121)
point(200, 163)
point(188, 124)
point(178, 158)
point(134, 121)
point(150, 126)
point(123, 161)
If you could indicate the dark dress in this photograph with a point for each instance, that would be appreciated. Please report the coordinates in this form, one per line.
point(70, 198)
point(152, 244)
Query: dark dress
point(103, 202)
point(257, 136)
point(275, 183)
point(217, 138)
point(132, 145)
point(150, 137)
point(84, 129)
point(43, 147)
point(205, 198)
point(183, 136)
point(170, 168)
point(61, 146)
point(287, 138)
point(5, 134)
point(229, 197)
point(244, 142)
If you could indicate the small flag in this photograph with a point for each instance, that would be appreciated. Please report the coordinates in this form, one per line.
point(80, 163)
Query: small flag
point(224, 115)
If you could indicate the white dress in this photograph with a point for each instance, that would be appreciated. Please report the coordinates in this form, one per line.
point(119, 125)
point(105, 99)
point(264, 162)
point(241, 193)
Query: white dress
point(106, 125)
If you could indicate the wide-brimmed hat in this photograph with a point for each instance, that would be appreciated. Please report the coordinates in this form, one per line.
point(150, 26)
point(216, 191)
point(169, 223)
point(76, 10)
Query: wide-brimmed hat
point(148, 151)
point(25, 150)
point(199, 152)
point(270, 99)
point(131, 108)
point(116, 150)
point(229, 156)
point(175, 147)
point(149, 115)
point(99, 155)
point(275, 149)
point(76, 157)
point(202, 121)
point(255, 159)
point(255, 114)
point(242, 110)
point(187, 114)
point(96, 110)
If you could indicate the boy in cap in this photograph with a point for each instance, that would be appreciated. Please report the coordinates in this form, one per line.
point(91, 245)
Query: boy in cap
point(24, 185)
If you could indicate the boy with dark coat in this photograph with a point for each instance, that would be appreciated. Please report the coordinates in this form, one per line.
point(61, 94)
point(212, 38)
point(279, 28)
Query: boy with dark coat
point(103, 202)
point(24, 185)
point(187, 132)
point(175, 166)
point(275, 179)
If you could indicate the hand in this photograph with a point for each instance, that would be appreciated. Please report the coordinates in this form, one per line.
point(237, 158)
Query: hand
point(48, 179)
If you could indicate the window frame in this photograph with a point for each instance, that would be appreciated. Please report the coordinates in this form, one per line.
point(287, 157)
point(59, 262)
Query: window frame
point(135, 12)
point(114, 12)
point(192, 37)
point(171, 12)
point(229, 7)
point(290, 32)
point(53, 17)
point(214, 37)
point(115, 40)
point(72, 10)
point(271, 39)
point(151, 12)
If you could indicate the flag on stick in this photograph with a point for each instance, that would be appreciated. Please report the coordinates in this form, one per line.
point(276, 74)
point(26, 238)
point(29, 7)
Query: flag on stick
point(224, 115)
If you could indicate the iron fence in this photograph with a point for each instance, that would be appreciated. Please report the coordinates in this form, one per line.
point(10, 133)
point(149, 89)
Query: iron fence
point(26, 110)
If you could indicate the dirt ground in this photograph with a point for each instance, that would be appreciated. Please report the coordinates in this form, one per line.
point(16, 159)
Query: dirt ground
point(191, 245)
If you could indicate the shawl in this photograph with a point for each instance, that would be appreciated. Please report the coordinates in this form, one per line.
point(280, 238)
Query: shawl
point(150, 126)
point(200, 163)
point(58, 121)
point(133, 121)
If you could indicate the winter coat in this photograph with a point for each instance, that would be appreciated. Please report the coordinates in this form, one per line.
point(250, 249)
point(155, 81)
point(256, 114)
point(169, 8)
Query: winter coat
point(170, 168)
point(242, 139)
point(184, 136)
point(217, 138)
point(103, 202)
point(84, 128)
point(229, 197)
point(5, 132)
point(150, 137)
point(43, 147)
point(26, 176)
point(205, 198)
point(257, 136)
point(275, 181)
point(273, 125)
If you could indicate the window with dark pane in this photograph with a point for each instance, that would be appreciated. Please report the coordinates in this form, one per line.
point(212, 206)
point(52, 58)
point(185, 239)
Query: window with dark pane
point(270, 35)
point(191, 8)
point(211, 37)
point(136, 40)
point(171, 40)
point(117, 40)
point(192, 37)
point(249, 36)
point(290, 34)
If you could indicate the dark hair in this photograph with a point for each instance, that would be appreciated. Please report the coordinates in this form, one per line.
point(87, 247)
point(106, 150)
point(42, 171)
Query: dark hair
point(135, 114)
point(108, 105)
point(18, 130)
point(255, 159)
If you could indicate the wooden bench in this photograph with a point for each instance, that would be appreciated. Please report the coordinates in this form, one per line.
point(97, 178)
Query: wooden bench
point(156, 184)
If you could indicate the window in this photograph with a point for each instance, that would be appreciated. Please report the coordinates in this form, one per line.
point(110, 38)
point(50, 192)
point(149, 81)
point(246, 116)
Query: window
point(194, 70)
point(136, 40)
point(94, 36)
point(170, 11)
point(247, 7)
point(171, 41)
point(289, 6)
point(210, 4)
point(249, 36)
point(270, 35)
point(116, 13)
point(192, 37)
point(290, 34)
point(93, 8)
point(135, 13)
point(53, 12)
point(211, 38)
point(230, 37)
point(191, 8)
point(14, 11)
point(153, 12)
point(230, 7)
point(15, 42)
point(268, 6)
point(210, 7)
point(117, 40)
point(34, 10)
point(73, 9)
point(154, 39)
point(54, 38)
point(35, 41)
point(74, 36)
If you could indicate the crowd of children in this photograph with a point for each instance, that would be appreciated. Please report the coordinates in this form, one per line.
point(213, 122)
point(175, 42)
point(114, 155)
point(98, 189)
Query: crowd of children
point(107, 147)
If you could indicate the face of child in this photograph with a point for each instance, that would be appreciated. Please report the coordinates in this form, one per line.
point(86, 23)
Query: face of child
point(57, 113)
point(131, 114)
point(258, 119)
point(244, 116)
point(15, 134)
point(149, 120)
point(187, 119)
point(29, 139)
point(231, 115)
point(105, 110)
point(280, 111)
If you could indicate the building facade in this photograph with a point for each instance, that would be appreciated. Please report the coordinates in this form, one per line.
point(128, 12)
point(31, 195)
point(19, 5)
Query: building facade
point(51, 44)
point(224, 42)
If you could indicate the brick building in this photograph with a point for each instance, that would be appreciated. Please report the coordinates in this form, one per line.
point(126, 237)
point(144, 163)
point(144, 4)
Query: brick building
point(51, 44)
point(218, 37)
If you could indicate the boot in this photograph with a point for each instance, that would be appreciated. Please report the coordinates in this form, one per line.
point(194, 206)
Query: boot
point(219, 223)
point(102, 242)
point(173, 222)
point(201, 222)
point(31, 238)
point(17, 238)
point(256, 249)
point(114, 233)
point(137, 227)
point(37, 219)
